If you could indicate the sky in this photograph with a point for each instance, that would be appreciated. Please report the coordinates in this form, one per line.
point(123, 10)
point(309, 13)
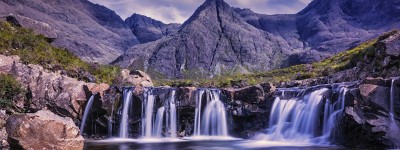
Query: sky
point(178, 11)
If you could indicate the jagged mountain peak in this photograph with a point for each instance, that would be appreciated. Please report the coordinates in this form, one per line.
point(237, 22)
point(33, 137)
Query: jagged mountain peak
point(147, 29)
point(215, 40)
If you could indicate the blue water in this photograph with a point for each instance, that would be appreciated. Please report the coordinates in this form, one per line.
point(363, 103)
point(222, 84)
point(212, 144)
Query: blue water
point(201, 145)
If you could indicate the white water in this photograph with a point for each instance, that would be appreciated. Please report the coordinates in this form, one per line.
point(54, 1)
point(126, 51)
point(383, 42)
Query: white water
point(331, 115)
point(147, 120)
point(152, 126)
point(393, 125)
point(124, 126)
point(392, 96)
point(211, 121)
point(298, 119)
point(172, 111)
point(159, 122)
point(86, 113)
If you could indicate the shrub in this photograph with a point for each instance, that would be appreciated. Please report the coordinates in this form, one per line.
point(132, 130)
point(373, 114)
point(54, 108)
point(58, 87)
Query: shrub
point(9, 89)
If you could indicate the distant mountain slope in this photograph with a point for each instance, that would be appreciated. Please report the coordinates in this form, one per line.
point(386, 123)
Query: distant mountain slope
point(329, 26)
point(214, 40)
point(92, 32)
point(147, 29)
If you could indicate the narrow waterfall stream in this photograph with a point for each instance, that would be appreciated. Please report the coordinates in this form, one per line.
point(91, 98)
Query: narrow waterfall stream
point(124, 125)
point(211, 120)
point(297, 118)
point(86, 113)
point(394, 127)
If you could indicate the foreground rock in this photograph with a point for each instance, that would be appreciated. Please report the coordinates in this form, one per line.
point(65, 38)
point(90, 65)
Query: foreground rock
point(63, 95)
point(3, 133)
point(366, 121)
point(43, 130)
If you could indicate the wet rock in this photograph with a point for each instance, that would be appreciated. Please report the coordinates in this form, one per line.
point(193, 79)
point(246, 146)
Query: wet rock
point(366, 122)
point(43, 130)
point(363, 129)
point(252, 94)
point(186, 96)
point(376, 93)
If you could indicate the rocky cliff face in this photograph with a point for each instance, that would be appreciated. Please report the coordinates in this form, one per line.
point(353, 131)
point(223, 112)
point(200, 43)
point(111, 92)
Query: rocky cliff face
point(147, 29)
point(218, 39)
point(214, 40)
point(92, 32)
point(326, 27)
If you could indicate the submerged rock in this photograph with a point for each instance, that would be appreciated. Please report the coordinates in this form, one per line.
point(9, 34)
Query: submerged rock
point(43, 130)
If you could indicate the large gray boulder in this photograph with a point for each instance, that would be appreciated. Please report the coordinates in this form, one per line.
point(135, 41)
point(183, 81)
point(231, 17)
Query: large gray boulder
point(43, 130)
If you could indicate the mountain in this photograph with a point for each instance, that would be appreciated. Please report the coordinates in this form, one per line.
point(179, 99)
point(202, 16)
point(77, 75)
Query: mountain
point(92, 32)
point(147, 29)
point(219, 39)
point(327, 27)
point(214, 40)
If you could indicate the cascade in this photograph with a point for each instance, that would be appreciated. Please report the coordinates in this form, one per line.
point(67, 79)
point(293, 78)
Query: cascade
point(86, 113)
point(124, 125)
point(210, 121)
point(297, 118)
point(152, 125)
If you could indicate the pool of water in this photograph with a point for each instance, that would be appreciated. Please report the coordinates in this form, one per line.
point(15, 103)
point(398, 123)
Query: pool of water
point(153, 144)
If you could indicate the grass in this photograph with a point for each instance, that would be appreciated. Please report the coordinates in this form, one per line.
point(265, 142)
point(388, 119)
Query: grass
point(35, 49)
point(10, 88)
point(339, 62)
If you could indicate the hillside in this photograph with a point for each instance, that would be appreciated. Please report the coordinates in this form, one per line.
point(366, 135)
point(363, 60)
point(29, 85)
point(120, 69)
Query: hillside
point(379, 57)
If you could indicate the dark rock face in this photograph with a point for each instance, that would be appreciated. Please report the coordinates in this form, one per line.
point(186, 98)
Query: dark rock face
point(147, 29)
point(92, 32)
point(248, 108)
point(43, 130)
point(366, 122)
point(214, 40)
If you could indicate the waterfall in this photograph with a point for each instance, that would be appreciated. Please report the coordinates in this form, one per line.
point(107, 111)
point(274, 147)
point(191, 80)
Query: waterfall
point(298, 118)
point(147, 109)
point(124, 125)
point(393, 124)
point(172, 110)
point(86, 113)
point(392, 97)
point(331, 115)
point(212, 121)
point(159, 122)
point(152, 125)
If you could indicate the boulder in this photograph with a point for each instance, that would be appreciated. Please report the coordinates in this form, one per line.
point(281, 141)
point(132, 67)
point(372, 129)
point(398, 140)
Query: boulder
point(251, 94)
point(376, 93)
point(61, 94)
point(3, 133)
point(43, 130)
point(135, 78)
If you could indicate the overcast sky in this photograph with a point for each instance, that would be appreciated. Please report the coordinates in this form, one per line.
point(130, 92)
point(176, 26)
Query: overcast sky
point(177, 11)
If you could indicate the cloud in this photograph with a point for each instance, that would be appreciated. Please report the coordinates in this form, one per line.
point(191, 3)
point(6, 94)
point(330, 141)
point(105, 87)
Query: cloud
point(177, 11)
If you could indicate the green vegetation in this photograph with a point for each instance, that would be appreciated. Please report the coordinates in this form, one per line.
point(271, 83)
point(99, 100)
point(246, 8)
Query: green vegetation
point(340, 62)
point(35, 49)
point(9, 89)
